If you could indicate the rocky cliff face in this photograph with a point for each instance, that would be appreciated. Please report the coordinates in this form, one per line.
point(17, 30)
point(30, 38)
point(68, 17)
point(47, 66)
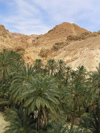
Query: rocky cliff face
point(47, 46)
point(15, 41)
point(75, 45)
point(5, 39)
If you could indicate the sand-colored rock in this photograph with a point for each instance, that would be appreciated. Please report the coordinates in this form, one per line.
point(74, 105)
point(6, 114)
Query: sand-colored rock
point(75, 45)
point(3, 123)
point(14, 41)
point(43, 52)
point(58, 33)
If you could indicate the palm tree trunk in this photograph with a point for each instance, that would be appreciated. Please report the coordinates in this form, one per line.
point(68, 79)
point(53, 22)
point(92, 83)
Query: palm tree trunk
point(79, 108)
point(73, 118)
point(52, 71)
point(39, 121)
point(4, 75)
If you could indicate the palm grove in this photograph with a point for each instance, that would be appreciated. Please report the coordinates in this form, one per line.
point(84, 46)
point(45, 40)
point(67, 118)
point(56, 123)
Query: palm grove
point(48, 97)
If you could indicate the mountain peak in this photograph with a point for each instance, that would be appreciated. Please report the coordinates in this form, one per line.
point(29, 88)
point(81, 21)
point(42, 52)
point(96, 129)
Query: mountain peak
point(66, 41)
point(65, 29)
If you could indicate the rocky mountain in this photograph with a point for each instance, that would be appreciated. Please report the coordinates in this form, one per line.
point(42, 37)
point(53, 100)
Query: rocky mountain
point(75, 45)
point(15, 41)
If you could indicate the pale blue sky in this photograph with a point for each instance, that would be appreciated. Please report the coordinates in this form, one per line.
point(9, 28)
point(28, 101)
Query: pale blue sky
point(39, 16)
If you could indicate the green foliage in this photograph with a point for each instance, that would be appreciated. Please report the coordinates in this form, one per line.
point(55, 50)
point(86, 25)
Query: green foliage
point(21, 82)
point(42, 93)
point(51, 66)
point(57, 127)
point(49, 89)
point(8, 59)
point(20, 123)
point(89, 122)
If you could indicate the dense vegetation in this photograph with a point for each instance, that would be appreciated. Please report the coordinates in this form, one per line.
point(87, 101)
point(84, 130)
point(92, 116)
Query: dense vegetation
point(48, 97)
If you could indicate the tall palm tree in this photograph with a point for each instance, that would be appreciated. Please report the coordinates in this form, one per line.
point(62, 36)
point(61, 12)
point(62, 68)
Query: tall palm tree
point(4, 94)
point(7, 67)
point(42, 95)
point(81, 72)
point(17, 67)
point(15, 56)
point(21, 81)
point(89, 122)
point(95, 82)
point(20, 123)
point(67, 75)
point(8, 59)
point(5, 62)
point(38, 65)
point(61, 67)
point(72, 96)
point(51, 65)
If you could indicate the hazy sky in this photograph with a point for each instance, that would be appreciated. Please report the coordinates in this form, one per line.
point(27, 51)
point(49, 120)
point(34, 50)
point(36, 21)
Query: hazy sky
point(39, 16)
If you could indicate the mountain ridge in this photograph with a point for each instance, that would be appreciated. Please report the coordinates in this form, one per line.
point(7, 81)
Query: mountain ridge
point(69, 42)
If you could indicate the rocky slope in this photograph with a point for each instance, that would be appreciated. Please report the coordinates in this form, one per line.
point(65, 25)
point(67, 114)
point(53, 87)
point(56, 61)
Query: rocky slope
point(75, 45)
point(15, 41)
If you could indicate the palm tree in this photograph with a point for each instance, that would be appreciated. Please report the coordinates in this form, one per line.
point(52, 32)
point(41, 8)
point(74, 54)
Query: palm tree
point(51, 65)
point(61, 67)
point(19, 122)
point(4, 94)
point(5, 62)
point(67, 75)
point(44, 71)
point(21, 81)
point(7, 67)
point(38, 65)
point(15, 56)
point(8, 59)
point(17, 67)
point(57, 127)
point(42, 95)
point(81, 72)
point(73, 74)
point(72, 95)
point(89, 122)
point(95, 82)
